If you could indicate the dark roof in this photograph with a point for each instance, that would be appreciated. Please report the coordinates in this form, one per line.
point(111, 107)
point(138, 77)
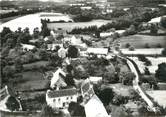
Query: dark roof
point(62, 93)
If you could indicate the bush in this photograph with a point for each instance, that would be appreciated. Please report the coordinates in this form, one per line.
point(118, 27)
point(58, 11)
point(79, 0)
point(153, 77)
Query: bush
point(153, 29)
point(161, 72)
point(12, 104)
point(148, 62)
point(106, 95)
point(76, 110)
point(142, 58)
point(147, 45)
point(164, 52)
point(73, 52)
point(158, 45)
point(118, 99)
point(130, 31)
point(131, 48)
point(163, 22)
point(127, 45)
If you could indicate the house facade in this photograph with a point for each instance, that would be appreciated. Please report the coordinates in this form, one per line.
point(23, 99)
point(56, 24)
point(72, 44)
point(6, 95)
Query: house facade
point(61, 98)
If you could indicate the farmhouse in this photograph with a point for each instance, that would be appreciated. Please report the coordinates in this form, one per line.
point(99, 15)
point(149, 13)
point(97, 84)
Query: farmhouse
point(97, 51)
point(61, 98)
point(27, 47)
point(95, 80)
point(57, 81)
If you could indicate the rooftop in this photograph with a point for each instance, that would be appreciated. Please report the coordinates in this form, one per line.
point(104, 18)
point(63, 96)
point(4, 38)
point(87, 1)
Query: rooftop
point(62, 93)
point(98, 50)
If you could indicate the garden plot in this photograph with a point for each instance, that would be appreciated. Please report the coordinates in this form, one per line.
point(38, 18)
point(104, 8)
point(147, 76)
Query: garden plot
point(30, 81)
point(155, 62)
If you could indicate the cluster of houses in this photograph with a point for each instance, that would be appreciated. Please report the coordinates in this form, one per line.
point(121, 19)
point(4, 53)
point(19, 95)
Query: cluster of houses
point(60, 95)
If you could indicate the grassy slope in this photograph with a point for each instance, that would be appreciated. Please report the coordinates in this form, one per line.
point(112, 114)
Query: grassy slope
point(139, 41)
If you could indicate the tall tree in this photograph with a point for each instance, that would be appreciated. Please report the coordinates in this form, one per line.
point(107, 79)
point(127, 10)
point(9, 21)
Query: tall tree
point(161, 72)
point(126, 77)
point(163, 22)
point(12, 104)
point(18, 64)
point(73, 52)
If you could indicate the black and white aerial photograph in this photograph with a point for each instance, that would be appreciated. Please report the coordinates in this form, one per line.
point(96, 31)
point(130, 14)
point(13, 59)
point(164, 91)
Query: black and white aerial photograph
point(83, 58)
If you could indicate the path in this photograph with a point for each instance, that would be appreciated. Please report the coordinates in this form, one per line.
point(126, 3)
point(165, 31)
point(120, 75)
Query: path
point(138, 88)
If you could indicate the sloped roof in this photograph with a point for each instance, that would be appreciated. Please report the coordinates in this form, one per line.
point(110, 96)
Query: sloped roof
point(95, 108)
point(56, 76)
point(62, 93)
point(94, 78)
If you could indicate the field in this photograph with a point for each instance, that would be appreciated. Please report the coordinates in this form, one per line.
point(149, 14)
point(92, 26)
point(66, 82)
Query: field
point(30, 81)
point(158, 96)
point(139, 41)
point(120, 89)
point(70, 26)
point(35, 64)
point(8, 19)
point(34, 20)
point(153, 67)
point(31, 21)
point(144, 51)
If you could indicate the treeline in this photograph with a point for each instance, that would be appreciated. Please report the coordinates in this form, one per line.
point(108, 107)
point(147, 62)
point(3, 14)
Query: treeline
point(19, 12)
point(120, 23)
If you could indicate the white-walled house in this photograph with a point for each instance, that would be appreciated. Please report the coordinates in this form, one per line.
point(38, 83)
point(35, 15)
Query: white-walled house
point(74, 40)
point(95, 80)
point(97, 51)
point(62, 52)
point(61, 98)
point(27, 47)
